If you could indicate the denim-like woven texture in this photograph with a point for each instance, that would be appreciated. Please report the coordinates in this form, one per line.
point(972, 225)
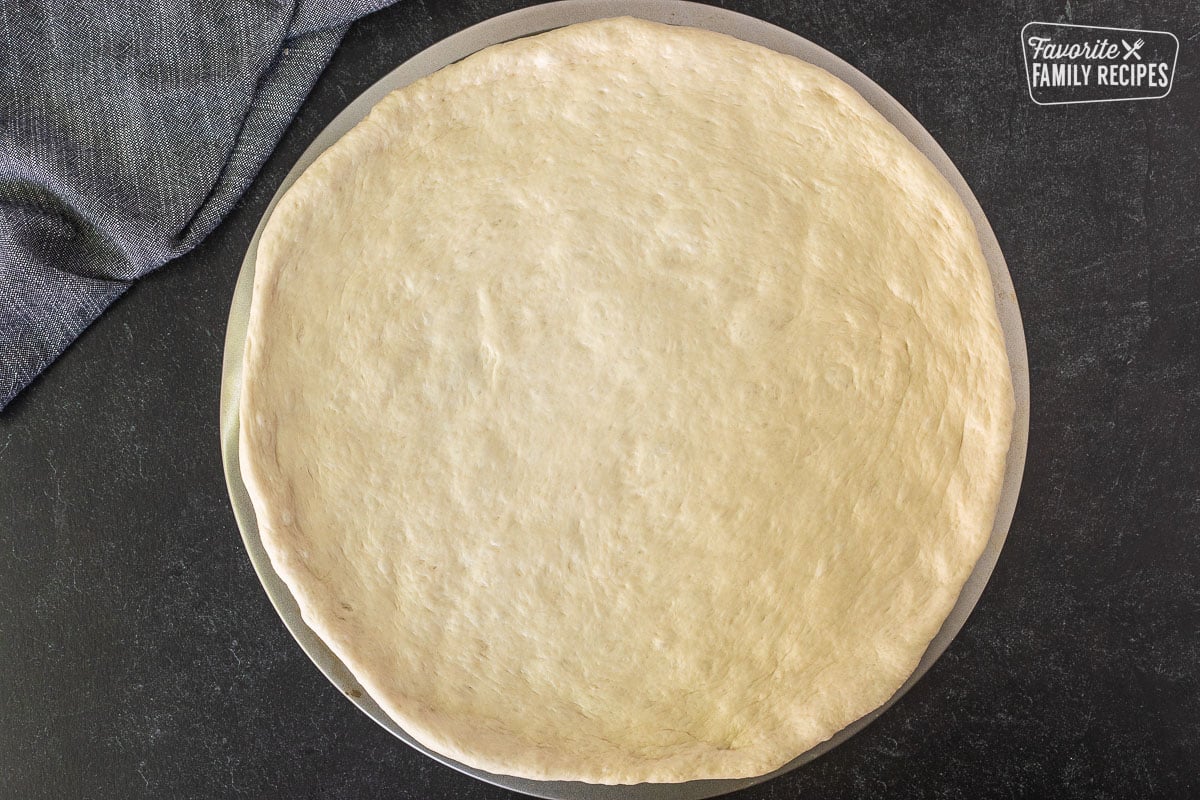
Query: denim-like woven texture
point(128, 129)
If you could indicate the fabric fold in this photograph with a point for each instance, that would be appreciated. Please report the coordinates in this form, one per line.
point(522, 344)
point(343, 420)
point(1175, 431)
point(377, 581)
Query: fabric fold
point(128, 130)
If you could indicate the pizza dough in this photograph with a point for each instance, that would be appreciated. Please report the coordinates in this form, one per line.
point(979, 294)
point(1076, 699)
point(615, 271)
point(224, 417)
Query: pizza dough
point(626, 403)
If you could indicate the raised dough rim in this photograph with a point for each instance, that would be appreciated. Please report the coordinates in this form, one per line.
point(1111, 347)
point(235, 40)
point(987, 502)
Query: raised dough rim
point(534, 20)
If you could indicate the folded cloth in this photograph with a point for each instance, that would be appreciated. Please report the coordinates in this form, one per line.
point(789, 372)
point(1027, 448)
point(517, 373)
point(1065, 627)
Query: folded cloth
point(128, 129)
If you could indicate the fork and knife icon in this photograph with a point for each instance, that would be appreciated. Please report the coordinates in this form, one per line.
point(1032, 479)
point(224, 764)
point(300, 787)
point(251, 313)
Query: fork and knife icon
point(1132, 49)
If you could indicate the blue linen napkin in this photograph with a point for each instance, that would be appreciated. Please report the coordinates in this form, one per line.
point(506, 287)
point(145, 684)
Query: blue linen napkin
point(128, 129)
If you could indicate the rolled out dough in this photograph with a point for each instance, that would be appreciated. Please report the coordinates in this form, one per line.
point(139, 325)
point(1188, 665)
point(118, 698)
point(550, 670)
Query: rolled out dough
point(626, 403)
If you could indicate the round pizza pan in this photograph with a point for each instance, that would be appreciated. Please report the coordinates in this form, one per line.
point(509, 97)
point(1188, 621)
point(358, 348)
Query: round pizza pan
point(535, 20)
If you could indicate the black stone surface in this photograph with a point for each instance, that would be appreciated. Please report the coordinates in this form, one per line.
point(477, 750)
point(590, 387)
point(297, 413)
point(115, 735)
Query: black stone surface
point(139, 657)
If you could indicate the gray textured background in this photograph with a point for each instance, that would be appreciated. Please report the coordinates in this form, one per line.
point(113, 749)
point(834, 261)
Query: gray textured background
point(139, 658)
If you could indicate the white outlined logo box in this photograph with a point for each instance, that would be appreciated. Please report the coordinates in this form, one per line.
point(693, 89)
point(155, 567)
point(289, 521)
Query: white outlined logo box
point(1091, 64)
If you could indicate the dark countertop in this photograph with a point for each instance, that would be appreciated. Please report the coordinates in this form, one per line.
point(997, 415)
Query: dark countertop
point(139, 657)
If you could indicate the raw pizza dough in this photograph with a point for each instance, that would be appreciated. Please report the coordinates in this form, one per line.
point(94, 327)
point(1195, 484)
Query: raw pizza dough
point(626, 403)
